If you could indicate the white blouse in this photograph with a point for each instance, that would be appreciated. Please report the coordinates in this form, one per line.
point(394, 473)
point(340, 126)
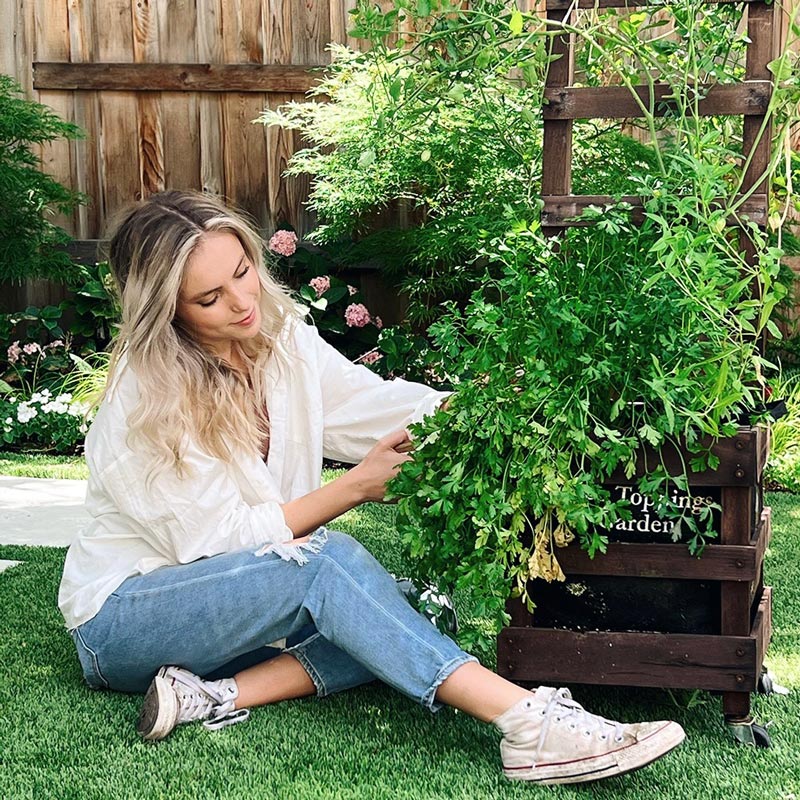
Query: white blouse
point(320, 405)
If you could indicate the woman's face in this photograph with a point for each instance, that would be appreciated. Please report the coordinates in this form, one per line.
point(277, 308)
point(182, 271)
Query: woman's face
point(218, 300)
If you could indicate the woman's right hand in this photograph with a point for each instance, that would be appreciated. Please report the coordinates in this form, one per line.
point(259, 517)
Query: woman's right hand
point(380, 465)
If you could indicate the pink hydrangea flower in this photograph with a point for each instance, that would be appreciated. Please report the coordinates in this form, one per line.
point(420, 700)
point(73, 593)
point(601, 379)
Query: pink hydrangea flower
point(31, 348)
point(283, 242)
point(352, 289)
point(356, 315)
point(371, 357)
point(320, 284)
point(13, 353)
point(378, 322)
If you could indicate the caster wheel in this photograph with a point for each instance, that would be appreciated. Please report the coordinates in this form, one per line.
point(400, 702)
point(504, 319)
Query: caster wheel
point(768, 685)
point(749, 732)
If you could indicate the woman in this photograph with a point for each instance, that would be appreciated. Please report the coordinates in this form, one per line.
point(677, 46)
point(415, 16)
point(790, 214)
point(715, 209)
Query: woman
point(208, 541)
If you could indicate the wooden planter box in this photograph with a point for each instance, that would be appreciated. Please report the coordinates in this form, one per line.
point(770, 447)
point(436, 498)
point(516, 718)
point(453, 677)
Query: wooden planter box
point(648, 613)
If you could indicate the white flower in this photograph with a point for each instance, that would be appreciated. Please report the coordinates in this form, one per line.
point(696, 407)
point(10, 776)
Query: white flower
point(8, 421)
point(77, 409)
point(83, 427)
point(64, 398)
point(55, 407)
point(36, 397)
point(25, 413)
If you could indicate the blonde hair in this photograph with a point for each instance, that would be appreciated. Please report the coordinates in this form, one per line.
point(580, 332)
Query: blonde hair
point(186, 392)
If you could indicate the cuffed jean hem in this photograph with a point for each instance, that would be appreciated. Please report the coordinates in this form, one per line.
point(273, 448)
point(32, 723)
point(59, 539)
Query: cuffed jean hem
point(429, 698)
point(298, 652)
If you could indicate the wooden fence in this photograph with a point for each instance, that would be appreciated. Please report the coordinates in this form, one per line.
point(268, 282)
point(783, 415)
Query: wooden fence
point(135, 75)
point(166, 91)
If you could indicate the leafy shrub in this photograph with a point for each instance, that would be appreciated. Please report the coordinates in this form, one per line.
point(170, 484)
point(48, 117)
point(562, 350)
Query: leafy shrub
point(336, 307)
point(567, 360)
point(29, 242)
point(43, 422)
point(783, 467)
point(458, 153)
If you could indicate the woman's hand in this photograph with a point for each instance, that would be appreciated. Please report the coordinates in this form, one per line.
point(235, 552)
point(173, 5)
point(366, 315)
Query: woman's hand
point(380, 465)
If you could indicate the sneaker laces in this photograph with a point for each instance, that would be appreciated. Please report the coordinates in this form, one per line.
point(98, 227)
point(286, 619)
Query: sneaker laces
point(561, 706)
point(205, 700)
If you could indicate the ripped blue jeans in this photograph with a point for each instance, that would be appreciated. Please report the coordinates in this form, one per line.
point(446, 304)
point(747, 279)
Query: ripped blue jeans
point(342, 614)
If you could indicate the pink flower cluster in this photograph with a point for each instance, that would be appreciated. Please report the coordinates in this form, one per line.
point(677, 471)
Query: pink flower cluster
point(320, 284)
point(370, 357)
point(14, 350)
point(13, 353)
point(283, 242)
point(356, 315)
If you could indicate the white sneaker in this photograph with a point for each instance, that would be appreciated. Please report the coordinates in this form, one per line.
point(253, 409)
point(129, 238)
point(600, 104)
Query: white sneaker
point(176, 696)
point(549, 738)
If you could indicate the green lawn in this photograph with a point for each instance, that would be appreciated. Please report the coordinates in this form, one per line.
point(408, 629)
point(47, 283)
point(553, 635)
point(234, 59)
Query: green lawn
point(58, 739)
point(27, 465)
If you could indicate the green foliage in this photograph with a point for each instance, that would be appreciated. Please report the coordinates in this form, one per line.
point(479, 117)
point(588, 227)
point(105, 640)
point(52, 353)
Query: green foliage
point(28, 240)
point(576, 356)
point(783, 468)
point(563, 368)
point(93, 308)
point(421, 162)
point(42, 422)
point(565, 360)
point(336, 307)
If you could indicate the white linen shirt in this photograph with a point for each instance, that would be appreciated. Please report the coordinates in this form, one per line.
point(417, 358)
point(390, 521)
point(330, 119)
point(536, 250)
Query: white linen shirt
point(320, 405)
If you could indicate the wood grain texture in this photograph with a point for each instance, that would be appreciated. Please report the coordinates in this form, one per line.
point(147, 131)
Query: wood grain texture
point(180, 111)
point(147, 47)
point(617, 102)
point(175, 77)
point(51, 37)
point(166, 92)
point(245, 153)
point(209, 107)
point(86, 152)
point(616, 658)
point(762, 30)
point(120, 147)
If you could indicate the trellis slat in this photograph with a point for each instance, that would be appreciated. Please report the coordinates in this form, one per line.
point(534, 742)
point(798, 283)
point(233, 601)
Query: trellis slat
point(564, 210)
point(617, 102)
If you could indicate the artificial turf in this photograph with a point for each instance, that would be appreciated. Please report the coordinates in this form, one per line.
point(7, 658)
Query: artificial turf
point(58, 739)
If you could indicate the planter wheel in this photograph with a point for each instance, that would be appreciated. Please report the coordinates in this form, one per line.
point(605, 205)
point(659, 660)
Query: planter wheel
point(767, 684)
point(747, 731)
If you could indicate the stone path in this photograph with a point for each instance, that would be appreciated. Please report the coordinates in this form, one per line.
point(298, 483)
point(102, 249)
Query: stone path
point(40, 511)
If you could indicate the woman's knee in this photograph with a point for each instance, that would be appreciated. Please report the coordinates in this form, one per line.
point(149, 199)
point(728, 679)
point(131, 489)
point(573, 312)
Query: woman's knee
point(348, 552)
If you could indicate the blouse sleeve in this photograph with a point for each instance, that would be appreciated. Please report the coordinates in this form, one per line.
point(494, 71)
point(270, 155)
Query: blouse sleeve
point(201, 514)
point(359, 407)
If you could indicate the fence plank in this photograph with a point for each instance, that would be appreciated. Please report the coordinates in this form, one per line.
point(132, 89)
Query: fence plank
point(147, 47)
point(180, 110)
point(85, 152)
point(119, 127)
point(51, 40)
point(245, 144)
point(209, 49)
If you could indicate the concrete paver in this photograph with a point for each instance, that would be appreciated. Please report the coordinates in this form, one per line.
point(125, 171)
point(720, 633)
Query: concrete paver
point(41, 511)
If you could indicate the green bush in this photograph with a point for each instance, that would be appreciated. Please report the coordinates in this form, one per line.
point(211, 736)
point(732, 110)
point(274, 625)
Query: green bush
point(457, 154)
point(29, 242)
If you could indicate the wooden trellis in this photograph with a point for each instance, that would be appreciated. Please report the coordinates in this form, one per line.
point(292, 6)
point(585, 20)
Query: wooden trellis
point(728, 656)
